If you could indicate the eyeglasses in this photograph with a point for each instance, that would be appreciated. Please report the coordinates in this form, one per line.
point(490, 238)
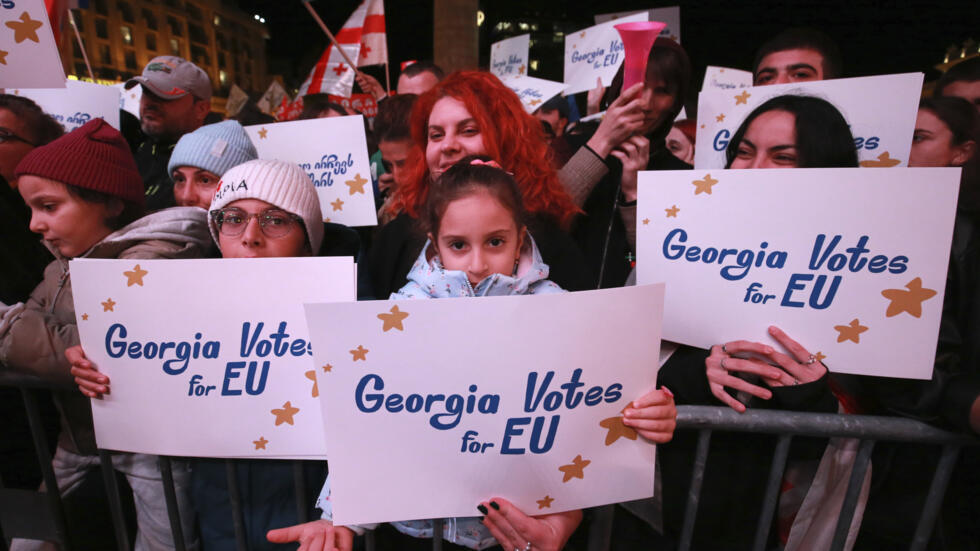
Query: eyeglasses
point(274, 223)
point(11, 137)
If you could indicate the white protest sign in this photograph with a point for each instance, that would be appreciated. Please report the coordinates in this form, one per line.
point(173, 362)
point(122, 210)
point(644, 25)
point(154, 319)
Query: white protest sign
point(509, 57)
point(206, 358)
point(595, 52)
point(850, 263)
point(534, 92)
point(671, 16)
point(725, 78)
point(333, 152)
point(129, 100)
point(237, 98)
point(880, 110)
point(272, 98)
point(466, 399)
point(77, 103)
point(28, 52)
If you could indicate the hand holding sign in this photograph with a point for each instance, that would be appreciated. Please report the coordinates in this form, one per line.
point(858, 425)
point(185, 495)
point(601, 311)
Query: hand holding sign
point(515, 530)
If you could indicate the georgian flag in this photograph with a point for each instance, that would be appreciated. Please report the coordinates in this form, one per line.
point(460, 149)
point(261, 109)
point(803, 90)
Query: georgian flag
point(364, 28)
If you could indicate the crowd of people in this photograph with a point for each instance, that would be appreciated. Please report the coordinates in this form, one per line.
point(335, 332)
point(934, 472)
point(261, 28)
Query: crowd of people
point(477, 198)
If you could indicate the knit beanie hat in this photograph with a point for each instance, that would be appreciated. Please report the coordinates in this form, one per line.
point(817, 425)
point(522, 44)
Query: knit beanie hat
point(214, 147)
point(281, 184)
point(93, 156)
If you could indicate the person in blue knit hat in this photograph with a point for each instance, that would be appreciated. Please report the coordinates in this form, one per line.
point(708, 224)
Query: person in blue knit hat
point(201, 157)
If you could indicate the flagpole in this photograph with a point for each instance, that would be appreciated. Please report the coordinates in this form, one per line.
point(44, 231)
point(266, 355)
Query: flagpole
point(78, 36)
point(329, 35)
point(387, 79)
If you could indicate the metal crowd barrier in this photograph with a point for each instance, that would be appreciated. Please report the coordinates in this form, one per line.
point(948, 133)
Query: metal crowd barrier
point(40, 515)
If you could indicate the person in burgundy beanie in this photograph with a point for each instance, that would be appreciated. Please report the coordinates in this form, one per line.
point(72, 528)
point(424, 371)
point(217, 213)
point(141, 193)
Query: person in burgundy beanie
point(85, 195)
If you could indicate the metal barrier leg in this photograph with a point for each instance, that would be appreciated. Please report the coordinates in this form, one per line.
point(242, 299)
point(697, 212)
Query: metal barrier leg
point(934, 499)
point(694, 492)
point(369, 543)
point(851, 496)
point(772, 492)
point(600, 529)
point(299, 480)
point(52, 491)
point(235, 498)
point(437, 534)
point(170, 495)
point(115, 502)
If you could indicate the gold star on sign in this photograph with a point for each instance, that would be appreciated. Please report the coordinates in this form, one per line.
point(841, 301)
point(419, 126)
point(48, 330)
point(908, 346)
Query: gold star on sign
point(850, 332)
point(521, 69)
point(3, 57)
point(359, 353)
point(393, 320)
point(84, 317)
point(646, 221)
point(326, 219)
point(337, 205)
point(720, 118)
point(262, 133)
point(704, 186)
point(908, 301)
point(545, 502)
point(311, 375)
point(819, 356)
point(583, 34)
point(617, 429)
point(575, 469)
point(135, 276)
point(327, 368)
point(884, 161)
point(702, 126)
point(25, 29)
point(672, 211)
point(357, 184)
point(108, 305)
point(285, 415)
point(743, 97)
point(260, 443)
point(534, 102)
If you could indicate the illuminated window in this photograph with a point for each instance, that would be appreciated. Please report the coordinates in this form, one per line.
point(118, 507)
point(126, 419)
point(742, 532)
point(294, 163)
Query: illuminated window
point(127, 34)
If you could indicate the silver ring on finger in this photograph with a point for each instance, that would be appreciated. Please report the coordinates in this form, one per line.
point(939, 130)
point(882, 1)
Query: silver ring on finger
point(723, 349)
point(527, 547)
point(809, 361)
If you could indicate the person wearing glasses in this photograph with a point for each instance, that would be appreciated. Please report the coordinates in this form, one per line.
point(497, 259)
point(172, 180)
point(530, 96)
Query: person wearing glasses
point(263, 208)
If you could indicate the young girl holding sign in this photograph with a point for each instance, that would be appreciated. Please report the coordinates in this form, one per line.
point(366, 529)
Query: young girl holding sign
point(478, 245)
point(86, 199)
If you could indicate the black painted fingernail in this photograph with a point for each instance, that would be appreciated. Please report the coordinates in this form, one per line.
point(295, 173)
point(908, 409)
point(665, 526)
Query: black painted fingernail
point(495, 506)
point(482, 509)
point(482, 519)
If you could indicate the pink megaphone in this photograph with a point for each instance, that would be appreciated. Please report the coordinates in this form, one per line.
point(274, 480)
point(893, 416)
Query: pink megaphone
point(638, 37)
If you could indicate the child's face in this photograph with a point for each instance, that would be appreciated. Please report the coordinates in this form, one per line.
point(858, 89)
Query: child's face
point(68, 223)
point(253, 242)
point(194, 187)
point(451, 135)
point(478, 235)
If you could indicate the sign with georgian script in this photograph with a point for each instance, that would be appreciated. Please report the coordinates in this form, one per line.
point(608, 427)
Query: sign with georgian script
point(509, 57)
point(333, 152)
point(207, 358)
point(670, 15)
point(595, 52)
point(534, 92)
point(851, 263)
point(28, 53)
point(725, 78)
point(518, 397)
point(880, 110)
point(77, 103)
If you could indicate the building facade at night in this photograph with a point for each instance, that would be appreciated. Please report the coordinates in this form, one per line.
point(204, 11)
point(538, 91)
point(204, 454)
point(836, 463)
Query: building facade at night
point(121, 36)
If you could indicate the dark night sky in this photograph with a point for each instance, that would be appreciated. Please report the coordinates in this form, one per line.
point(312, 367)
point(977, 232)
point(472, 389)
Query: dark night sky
point(875, 37)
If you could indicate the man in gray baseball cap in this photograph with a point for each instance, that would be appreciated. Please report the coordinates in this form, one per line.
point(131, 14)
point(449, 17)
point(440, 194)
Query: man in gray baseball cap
point(176, 98)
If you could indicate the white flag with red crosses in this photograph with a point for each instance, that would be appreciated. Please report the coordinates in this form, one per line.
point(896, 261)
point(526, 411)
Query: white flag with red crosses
point(332, 74)
point(28, 53)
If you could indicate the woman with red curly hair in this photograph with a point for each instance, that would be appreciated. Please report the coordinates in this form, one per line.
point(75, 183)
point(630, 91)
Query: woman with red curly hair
point(473, 113)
